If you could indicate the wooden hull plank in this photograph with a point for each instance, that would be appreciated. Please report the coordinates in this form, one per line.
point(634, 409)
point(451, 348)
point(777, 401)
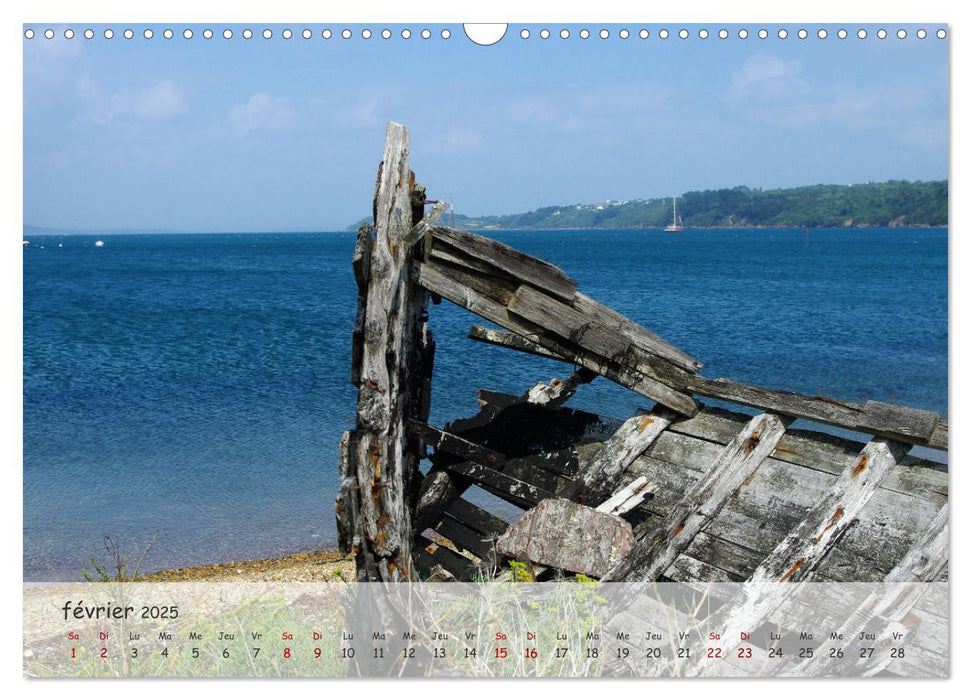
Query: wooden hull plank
point(728, 474)
point(602, 474)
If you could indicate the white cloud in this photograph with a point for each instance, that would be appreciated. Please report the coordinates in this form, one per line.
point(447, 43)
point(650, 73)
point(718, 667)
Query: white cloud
point(773, 90)
point(764, 76)
point(456, 140)
point(261, 110)
point(161, 101)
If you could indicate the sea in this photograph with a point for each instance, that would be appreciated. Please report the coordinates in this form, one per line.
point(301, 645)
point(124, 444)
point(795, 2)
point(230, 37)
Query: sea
point(184, 394)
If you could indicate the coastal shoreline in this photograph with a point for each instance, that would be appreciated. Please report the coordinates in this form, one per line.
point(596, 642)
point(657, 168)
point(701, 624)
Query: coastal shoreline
point(324, 566)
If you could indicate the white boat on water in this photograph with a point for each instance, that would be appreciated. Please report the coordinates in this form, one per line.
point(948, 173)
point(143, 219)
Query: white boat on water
point(675, 226)
point(99, 244)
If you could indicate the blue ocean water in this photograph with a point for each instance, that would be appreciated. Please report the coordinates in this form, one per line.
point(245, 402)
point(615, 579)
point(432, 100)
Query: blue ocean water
point(196, 385)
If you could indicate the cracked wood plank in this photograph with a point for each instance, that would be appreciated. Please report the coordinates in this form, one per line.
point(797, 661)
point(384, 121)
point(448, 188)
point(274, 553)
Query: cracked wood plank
point(636, 333)
point(804, 548)
point(516, 491)
point(727, 475)
point(599, 478)
point(922, 564)
point(510, 261)
point(390, 385)
point(629, 497)
point(901, 423)
point(441, 281)
point(594, 328)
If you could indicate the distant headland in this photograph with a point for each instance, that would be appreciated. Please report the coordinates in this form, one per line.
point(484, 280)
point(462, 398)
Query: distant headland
point(872, 204)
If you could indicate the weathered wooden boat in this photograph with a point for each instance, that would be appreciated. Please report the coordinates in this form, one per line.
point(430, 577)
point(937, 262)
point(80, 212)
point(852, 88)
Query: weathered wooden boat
point(681, 491)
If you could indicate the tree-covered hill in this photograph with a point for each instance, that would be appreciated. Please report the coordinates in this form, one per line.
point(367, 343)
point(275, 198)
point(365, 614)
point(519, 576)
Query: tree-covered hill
point(893, 203)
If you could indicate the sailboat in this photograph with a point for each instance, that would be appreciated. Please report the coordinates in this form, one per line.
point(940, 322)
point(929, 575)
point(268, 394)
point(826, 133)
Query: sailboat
point(675, 226)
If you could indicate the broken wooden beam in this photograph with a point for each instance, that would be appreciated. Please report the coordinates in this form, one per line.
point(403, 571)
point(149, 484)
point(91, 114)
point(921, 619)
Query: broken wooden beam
point(558, 391)
point(913, 426)
point(514, 263)
point(804, 548)
point(444, 441)
point(388, 370)
point(923, 563)
point(438, 489)
point(464, 537)
point(891, 421)
point(640, 336)
point(477, 518)
point(513, 341)
point(729, 473)
point(602, 474)
point(628, 497)
point(440, 280)
point(425, 225)
point(593, 328)
point(516, 491)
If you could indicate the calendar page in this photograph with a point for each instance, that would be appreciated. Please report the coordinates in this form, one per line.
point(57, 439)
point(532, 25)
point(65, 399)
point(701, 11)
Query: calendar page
point(442, 350)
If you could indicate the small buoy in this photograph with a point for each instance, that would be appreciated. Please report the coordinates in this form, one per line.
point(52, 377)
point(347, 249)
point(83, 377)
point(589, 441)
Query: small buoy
point(26, 243)
point(60, 245)
point(99, 244)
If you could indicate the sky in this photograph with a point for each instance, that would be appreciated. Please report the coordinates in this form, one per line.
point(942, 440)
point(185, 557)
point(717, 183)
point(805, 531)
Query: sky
point(286, 134)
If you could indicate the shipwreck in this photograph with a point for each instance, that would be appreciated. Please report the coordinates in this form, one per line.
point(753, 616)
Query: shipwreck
point(680, 491)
